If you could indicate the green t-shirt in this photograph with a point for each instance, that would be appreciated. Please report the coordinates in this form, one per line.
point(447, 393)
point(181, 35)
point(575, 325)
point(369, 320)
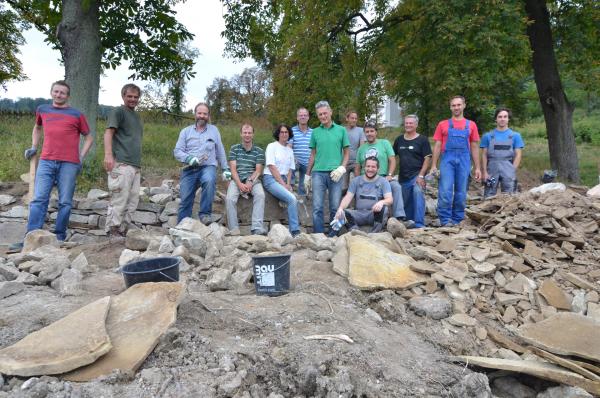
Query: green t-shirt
point(381, 149)
point(127, 140)
point(329, 144)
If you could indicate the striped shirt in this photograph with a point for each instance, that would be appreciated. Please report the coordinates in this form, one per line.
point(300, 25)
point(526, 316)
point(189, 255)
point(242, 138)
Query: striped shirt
point(246, 161)
point(300, 145)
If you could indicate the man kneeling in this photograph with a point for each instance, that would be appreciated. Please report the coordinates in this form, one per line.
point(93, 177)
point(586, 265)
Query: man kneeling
point(373, 196)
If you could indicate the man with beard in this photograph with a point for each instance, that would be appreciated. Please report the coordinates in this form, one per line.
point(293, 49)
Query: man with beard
point(373, 196)
point(200, 148)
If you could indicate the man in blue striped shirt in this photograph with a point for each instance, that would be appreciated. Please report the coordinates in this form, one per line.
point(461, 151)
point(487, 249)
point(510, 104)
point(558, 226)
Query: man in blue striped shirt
point(200, 148)
point(299, 144)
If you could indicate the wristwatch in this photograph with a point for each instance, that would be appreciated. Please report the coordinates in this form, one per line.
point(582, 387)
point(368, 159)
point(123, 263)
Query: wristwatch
point(421, 177)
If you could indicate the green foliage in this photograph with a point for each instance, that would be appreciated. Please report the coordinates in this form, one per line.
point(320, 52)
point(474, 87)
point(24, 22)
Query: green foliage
point(145, 33)
point(10, 40)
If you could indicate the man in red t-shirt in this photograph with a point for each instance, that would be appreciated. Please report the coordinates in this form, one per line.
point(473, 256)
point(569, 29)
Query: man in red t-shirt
point(457, 140)
point(60, 161)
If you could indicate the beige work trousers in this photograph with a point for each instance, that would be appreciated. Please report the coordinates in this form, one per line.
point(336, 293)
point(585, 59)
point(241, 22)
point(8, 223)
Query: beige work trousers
point(124, 188)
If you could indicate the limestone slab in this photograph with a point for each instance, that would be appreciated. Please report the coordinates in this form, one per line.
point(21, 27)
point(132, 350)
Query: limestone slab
point(137, 319)
point(565, 333)
point(542, 370)
point(372, 266)
point(554, 295)
point(73, 341)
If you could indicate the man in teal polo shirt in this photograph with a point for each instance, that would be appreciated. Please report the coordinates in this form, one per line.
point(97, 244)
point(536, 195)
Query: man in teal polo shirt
point(327, 165)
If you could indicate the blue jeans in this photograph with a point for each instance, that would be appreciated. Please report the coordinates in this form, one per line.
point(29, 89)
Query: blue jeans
point(49, 173)
point(321, 182)
point(192, 178)
point(279, 191)
point(414, 202)
point(455, 168)
point(301, 169)
point(398, 196)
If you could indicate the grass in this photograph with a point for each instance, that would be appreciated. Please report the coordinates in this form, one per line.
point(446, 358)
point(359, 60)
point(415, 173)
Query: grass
point(160, 138)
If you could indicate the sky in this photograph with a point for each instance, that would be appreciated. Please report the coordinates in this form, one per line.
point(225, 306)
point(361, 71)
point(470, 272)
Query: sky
point(202, 18)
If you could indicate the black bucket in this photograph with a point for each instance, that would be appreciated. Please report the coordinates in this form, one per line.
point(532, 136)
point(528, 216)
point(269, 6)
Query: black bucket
point(159, 269)
point(271, 274)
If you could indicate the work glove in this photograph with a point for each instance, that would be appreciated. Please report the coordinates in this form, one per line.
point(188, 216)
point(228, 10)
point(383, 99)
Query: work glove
point(192, 160)
point(29, 153)
point(307, 183)
point(337, 173)
point(226, 176)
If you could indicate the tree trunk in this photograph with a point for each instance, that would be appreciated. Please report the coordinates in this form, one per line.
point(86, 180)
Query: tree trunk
point(558, 112)
point(78, 33)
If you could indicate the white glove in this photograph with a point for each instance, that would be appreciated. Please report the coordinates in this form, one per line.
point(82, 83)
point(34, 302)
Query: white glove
point(337, 173)
point(192, 160)
point(307, 183)
point(226, 175)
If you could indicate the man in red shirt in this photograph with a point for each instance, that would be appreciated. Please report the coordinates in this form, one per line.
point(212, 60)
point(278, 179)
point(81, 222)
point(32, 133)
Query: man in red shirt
point(60, 161)
point(457, 140)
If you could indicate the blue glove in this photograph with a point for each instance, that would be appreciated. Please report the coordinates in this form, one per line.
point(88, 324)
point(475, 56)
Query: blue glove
point(29, 153)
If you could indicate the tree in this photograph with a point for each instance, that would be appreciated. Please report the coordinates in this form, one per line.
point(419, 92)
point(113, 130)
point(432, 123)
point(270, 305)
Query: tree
point(92, 35)
point(424, 51)
point(10, 40)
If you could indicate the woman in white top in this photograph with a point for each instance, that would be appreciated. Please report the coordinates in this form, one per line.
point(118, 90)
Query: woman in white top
point(278, 174)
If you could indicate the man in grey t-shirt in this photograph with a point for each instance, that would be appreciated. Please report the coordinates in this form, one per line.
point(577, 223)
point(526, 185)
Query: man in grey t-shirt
point(357, 137)
point(122, 161)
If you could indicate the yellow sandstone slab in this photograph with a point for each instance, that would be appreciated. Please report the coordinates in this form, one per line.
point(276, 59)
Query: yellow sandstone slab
point(69, 343)
point(543, 370)
point(373, 266)
point(137, 319)
point(565, 333)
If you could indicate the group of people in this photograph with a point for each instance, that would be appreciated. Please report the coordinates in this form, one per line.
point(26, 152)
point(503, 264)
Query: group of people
point(322, 161)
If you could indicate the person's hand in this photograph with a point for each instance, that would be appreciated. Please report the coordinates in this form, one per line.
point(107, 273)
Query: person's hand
point(337, 173)
point(340, 214)
point(477, 175)
point(288, 187)
point(226, 176)
point(377, 206)
point(242, 187)
point(434, 171)
point(307, 183)
point(420, 181)
point(486, 176)
point(389, 178)
point(29, 153)
point(192, 160)
point(109, 162)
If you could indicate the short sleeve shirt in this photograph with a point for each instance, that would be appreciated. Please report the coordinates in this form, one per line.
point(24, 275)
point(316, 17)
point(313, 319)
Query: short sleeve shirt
point(380, 184)
point(411, 155)
point(441, 131)
point(300, 143)
point(381, 149)
point(502, 136)
point(282, 157)
point(329, 144)
point(246, 161)
point(127, 140)
point(62, 128)
point(355, 136)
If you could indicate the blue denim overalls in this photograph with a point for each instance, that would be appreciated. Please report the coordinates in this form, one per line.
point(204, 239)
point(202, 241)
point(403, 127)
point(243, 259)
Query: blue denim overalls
point(455, 167)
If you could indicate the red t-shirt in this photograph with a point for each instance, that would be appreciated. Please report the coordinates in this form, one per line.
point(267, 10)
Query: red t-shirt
point(62, 127)
point(441, 131)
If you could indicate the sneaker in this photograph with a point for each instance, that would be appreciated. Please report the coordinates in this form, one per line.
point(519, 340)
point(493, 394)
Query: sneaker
point(115, 232)
point(234, 232)
point(15, 248)
point(409, 224)
point(332, 233)
point(206, 220)
point(295, 234)
point(258, 232)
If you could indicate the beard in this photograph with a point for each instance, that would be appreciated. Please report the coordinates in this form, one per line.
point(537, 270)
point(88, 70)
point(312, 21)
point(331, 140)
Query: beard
point(201, 122)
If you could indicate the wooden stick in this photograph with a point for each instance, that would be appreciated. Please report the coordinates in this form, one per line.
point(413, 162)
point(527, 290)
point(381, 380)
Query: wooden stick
point(33, 163)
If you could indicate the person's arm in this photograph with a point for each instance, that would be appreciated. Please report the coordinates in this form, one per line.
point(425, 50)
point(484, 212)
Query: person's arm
point(357, 169)
point(109, 160)
point(311, 161)
point(346, 200)
point(517, 159)
point(346, 156)
point(276, 175)
point(421, 177)
point(484, 152)
point(475, 156)
point(437, 149)
point(391, 167)
point(180, 151)
point(87, 144)
point(388, 199)
point(221, 157)
point(36, 134)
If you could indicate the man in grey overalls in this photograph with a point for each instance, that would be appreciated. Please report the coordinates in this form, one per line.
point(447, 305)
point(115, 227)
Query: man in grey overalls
point(373, 198)
point(502, 150)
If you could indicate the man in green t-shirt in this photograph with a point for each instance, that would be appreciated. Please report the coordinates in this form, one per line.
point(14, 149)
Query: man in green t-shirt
point(327, 165)
point(383, 151)
point(122, 161)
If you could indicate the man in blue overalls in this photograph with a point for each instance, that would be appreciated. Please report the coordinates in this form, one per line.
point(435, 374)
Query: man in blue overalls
point(373, 197)
point(456, 139)
point(502, 150)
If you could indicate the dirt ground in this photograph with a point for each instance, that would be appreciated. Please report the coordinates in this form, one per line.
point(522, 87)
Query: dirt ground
point(240, 344)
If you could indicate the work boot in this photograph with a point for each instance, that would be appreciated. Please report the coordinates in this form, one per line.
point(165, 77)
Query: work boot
point(15, 248)
point(234, 232)
point(206, 220)
point(114, 233)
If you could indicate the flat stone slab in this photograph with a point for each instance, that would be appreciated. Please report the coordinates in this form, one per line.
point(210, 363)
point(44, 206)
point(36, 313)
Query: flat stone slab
point(565, 333)
point(554, 295)
point(543, 370)
point(69, 343)
point(373, 266)
point(137, 319)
